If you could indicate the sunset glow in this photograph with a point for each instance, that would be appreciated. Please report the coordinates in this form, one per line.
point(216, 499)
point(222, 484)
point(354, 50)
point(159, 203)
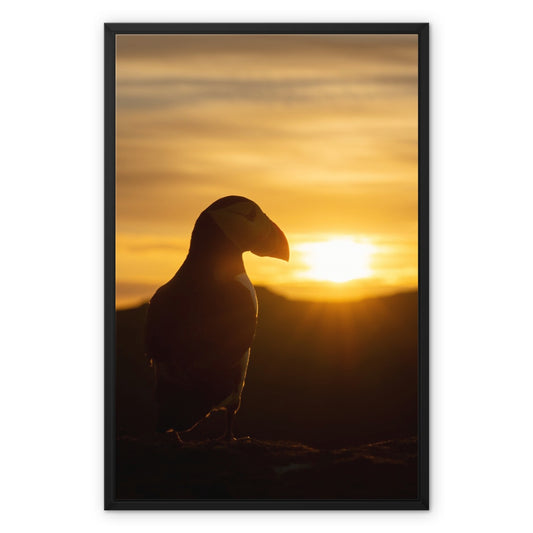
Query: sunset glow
point(321, 131)
point(337, 260)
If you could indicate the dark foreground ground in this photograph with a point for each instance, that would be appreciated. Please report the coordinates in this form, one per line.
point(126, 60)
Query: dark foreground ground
point(256, 469)
point(333, 376)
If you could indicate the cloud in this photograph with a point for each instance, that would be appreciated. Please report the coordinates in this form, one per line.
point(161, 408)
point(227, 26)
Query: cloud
point(172, 92)
point(279, 52)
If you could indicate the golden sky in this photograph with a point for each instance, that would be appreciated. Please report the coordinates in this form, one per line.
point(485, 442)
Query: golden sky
point(319, 130)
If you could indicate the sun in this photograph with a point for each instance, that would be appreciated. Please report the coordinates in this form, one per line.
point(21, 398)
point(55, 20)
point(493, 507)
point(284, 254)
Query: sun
point(337, 260)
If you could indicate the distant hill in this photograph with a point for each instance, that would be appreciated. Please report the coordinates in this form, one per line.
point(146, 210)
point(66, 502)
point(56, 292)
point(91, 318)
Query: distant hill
point(324, 374)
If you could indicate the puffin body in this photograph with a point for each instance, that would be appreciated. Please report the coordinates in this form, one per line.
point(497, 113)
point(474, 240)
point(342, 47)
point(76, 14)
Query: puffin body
point(200, 325)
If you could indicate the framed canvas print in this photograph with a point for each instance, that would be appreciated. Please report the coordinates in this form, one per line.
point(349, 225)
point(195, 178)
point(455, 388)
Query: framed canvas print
point(266, 266)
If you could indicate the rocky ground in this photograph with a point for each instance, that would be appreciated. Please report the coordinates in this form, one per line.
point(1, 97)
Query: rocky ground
point(256, 469)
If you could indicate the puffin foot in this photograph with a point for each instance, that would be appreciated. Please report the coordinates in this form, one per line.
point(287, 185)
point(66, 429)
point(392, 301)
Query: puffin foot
point(227, 437)
point(173, 437)
point(232, 438)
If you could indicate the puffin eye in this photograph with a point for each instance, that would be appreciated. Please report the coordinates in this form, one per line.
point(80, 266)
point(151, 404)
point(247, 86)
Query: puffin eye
point(251, 215)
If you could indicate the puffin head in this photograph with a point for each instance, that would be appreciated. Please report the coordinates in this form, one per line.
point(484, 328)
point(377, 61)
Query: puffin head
point(247, 227)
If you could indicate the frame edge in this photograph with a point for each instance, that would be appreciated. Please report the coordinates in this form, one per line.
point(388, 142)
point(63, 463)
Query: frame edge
point(111, 29)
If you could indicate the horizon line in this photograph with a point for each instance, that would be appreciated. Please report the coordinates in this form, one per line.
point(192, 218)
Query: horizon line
point(300, 300)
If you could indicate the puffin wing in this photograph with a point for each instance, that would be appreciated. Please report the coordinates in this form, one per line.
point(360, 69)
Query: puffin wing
point(197, 340)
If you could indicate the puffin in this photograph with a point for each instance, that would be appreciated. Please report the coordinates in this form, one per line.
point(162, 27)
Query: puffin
point(200, 325)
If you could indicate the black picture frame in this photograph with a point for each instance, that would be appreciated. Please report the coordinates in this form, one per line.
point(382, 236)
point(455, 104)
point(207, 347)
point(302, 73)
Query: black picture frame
point(111, 30)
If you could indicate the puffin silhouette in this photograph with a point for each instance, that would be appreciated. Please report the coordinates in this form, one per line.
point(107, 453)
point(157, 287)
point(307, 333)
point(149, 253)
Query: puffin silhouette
point(200, 325)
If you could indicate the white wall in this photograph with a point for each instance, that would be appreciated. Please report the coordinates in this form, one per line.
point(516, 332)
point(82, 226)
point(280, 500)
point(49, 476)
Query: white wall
point(51, 220)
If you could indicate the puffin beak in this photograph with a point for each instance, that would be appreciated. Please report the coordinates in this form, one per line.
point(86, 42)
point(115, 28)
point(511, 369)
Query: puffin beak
point(275, 244)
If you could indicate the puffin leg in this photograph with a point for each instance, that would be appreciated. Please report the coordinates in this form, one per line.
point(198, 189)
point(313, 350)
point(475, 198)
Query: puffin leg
point(228, 435)
point(174, 436)
point(178, 438)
